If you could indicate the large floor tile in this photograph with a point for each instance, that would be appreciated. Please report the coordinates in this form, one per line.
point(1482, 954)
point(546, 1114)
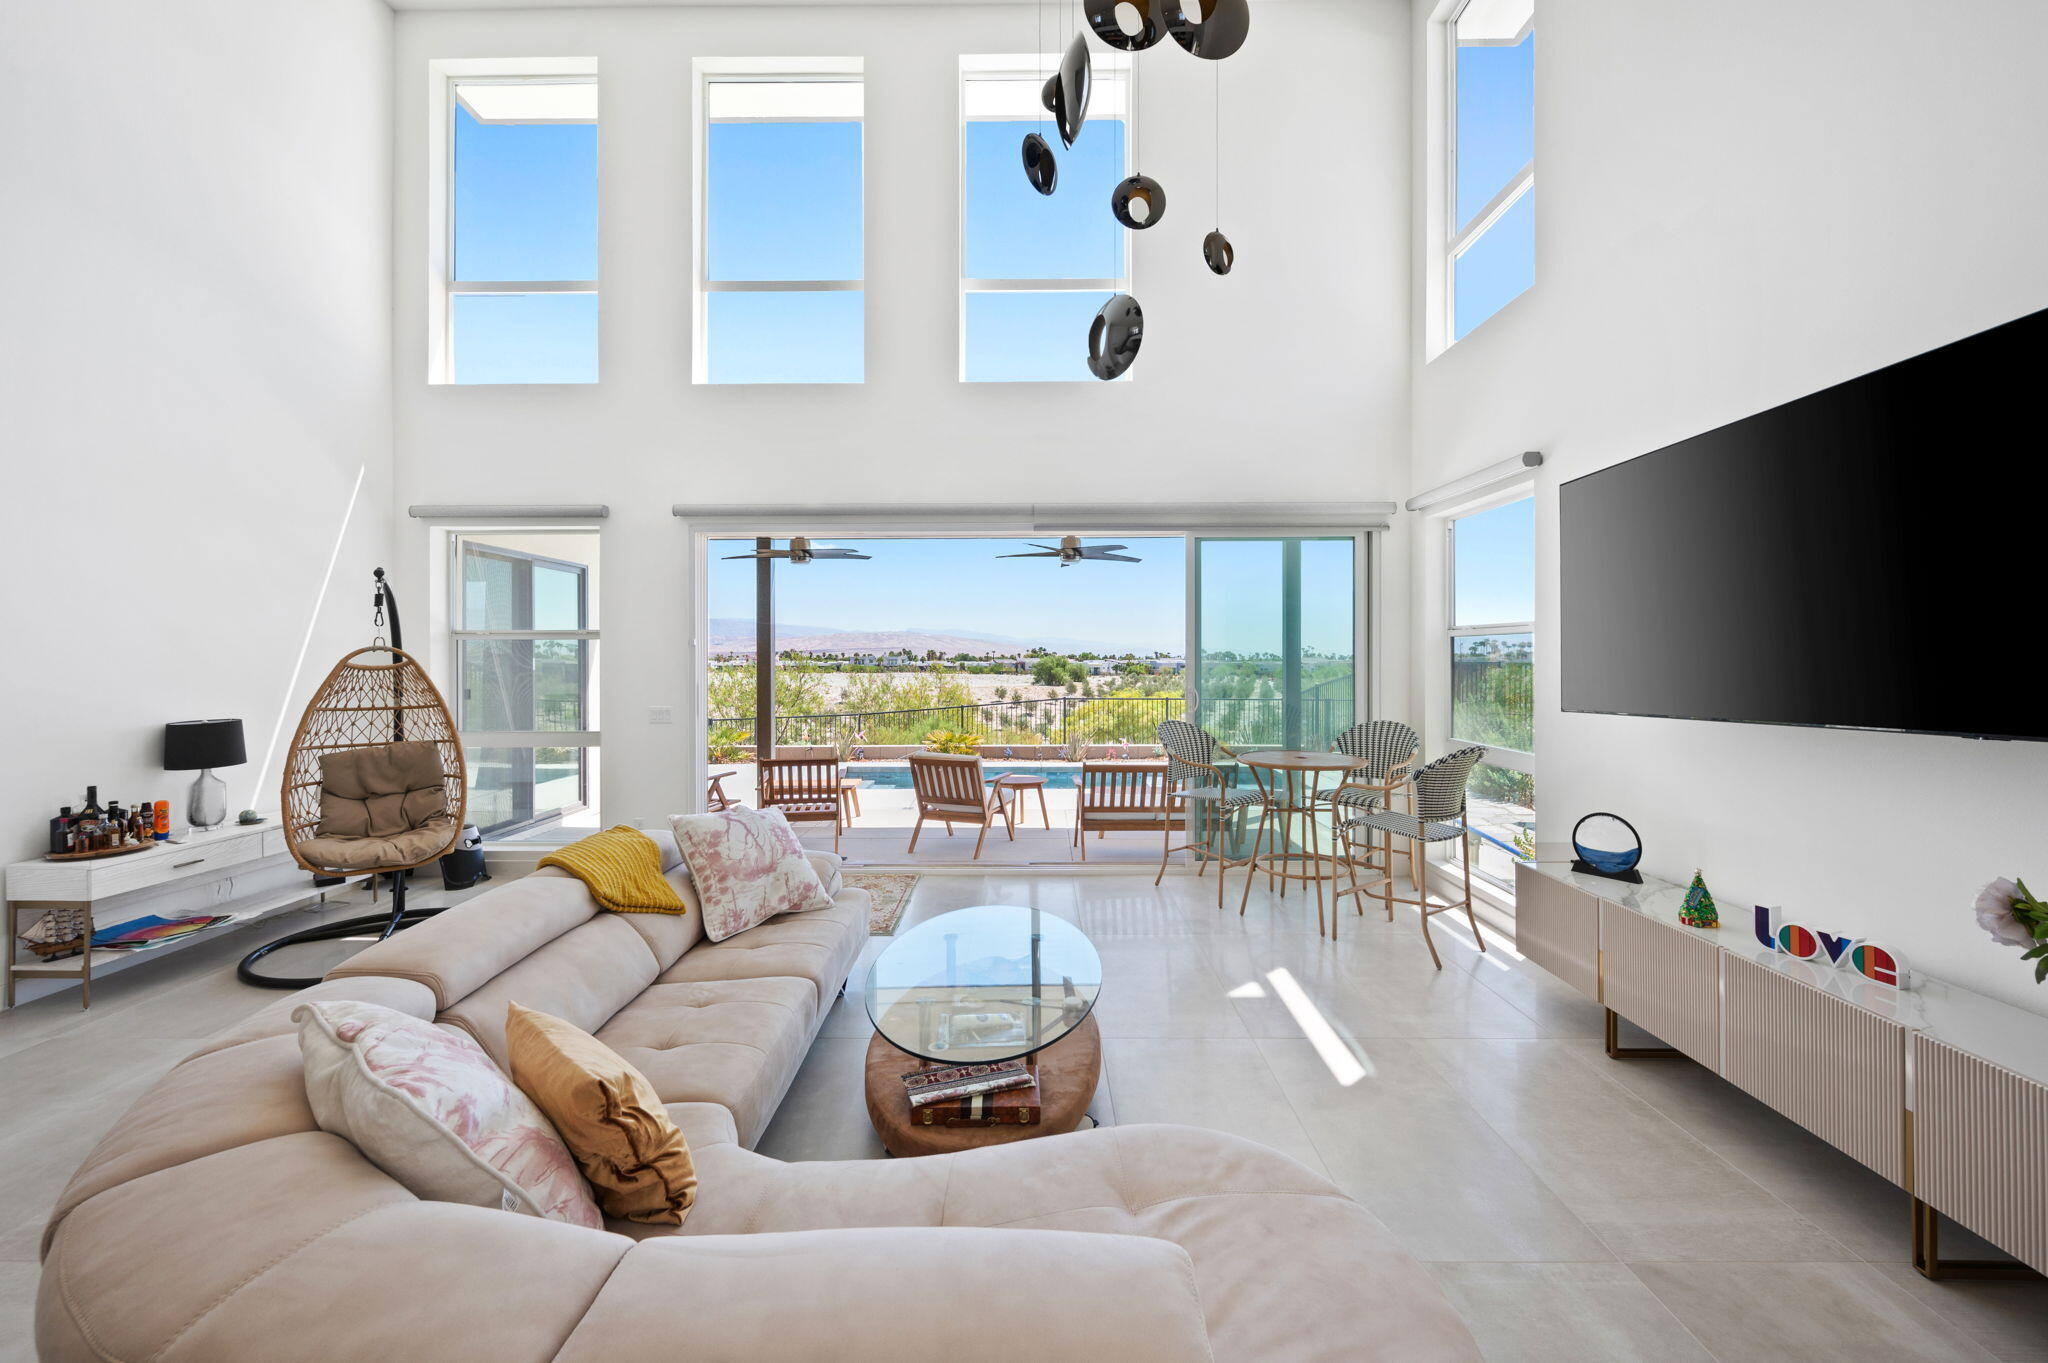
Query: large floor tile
point(824, 1116)
point(1401, 1141)
point(1162, 987)
point(17, 1304)
point(1566, 1313)
point(1644, 1186)
point(1223, 1084)
point(1366, 987)
point(2009, 1319)
point(1816, 1313)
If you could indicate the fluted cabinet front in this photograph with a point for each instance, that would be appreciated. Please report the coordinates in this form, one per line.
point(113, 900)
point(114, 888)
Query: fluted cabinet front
point(1979, 1131)
point(1664, 980)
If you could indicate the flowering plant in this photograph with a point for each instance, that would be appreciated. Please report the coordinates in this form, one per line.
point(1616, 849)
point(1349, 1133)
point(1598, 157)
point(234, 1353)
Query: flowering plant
point(2009, 912)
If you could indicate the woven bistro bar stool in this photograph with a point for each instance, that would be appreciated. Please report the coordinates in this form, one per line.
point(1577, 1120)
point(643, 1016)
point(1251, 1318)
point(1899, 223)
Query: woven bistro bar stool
point(1199, 784)
point(1387, 749)
point(1439, 798)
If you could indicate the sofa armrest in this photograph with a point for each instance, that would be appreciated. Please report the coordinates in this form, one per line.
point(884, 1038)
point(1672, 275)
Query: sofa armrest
point(827, 865)
point(867, 1296)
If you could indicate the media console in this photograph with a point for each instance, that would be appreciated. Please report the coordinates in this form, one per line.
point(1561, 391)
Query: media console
point(1939, 1089)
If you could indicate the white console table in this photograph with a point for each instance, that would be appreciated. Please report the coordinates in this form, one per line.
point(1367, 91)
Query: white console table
point(1939, 1089)
point(33, 887)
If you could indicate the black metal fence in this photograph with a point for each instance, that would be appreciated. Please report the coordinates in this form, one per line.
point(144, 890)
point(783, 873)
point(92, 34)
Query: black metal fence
point(1065, 722)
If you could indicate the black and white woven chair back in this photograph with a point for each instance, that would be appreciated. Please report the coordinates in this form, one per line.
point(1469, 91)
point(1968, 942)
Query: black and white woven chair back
point(1440, 786)
point(1187, 744)
point(1382, 744)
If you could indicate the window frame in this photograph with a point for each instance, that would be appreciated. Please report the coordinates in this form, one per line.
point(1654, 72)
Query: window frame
point(587, 740)
point(1023, 67)
point(1511, 759)
point(709, 71)
point(443, 77)
point(1456, 242)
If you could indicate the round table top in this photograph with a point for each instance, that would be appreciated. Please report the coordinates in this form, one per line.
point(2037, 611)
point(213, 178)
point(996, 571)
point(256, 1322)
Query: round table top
point(1301, 761)
point(987, 983)
point(1016, 778)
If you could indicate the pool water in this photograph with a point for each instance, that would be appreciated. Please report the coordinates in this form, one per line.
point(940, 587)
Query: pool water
point(893, 777)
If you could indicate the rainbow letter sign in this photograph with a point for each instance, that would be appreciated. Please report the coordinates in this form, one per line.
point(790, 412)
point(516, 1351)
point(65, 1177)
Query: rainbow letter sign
point(1880, 964)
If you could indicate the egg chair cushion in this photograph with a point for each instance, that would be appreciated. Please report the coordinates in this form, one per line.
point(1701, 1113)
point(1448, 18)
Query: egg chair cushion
point(380, 791)
point(414, 847)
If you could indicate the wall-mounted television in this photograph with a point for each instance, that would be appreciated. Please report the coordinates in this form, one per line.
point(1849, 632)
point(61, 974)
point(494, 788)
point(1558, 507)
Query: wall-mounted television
point(1871, 556)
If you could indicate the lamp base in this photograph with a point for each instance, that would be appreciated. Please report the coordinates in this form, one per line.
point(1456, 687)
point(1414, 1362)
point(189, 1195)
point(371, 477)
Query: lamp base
point(207, 807)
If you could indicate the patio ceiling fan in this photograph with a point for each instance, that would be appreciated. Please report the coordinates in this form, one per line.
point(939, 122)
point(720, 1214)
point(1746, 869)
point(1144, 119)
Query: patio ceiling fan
point(1072, 551)
point(801, 550)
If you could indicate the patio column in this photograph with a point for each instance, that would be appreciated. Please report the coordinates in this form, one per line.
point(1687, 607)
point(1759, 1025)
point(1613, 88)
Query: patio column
point(764, 651)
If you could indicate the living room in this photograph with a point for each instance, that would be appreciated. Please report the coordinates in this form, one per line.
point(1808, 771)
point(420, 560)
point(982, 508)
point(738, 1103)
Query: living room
point(1614, 945)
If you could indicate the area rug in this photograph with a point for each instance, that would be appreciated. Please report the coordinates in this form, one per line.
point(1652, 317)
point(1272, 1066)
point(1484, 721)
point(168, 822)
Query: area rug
point(891, 893)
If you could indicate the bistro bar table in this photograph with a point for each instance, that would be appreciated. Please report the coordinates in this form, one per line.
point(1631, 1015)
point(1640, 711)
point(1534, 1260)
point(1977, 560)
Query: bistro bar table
point(1291, 782)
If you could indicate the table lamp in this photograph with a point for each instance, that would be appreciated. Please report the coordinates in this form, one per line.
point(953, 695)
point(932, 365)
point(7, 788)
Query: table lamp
point(201, 745)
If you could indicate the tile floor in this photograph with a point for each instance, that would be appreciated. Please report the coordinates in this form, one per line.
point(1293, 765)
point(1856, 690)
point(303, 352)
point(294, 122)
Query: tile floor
point(1574, 1208)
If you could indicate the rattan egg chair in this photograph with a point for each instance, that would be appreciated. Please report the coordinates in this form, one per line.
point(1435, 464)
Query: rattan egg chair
point(374, 783)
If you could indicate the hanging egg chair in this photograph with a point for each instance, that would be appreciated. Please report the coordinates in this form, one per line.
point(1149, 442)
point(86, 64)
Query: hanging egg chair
point(374, 783)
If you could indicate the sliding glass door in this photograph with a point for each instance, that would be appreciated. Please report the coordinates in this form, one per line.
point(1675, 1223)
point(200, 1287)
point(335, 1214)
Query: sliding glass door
point(1273, 646)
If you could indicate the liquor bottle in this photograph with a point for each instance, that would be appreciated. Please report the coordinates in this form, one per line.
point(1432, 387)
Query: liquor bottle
point(91, 808)
point(162, 823)
point(60, 831)
point(113, 823)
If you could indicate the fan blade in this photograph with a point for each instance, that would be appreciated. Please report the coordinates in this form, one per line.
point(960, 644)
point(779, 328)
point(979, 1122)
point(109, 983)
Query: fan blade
point(759, 553)
point(837, 553)
point(1112, 558)
point(1093, 547)
point(1050, 553)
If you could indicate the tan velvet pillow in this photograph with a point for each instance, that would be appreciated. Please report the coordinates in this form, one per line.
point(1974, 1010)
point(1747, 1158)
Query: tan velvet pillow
point(608, 1115)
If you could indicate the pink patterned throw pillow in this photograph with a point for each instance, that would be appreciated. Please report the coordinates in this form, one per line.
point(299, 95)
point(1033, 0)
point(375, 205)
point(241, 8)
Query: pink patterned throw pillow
point(428, 1106)
point(748, 867)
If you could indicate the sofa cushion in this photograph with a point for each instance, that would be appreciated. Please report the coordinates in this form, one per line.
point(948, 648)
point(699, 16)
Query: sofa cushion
point(819, 947)
point(609, 1116)
point(587, 974)
point(427, 1106)
point(748, 866)
point(735, 1042)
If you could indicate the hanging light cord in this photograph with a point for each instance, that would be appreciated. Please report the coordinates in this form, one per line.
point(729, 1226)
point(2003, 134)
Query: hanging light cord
point(1218, 148)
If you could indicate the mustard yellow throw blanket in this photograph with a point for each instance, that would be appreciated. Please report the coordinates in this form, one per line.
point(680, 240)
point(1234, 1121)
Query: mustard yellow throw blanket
point(622, 867)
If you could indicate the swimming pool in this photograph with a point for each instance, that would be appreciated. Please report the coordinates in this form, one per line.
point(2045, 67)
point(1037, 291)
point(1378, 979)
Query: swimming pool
point(896, 775)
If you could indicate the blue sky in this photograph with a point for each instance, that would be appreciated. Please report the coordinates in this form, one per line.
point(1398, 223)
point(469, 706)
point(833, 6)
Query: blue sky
point(1496, 565)
point(1496, 138)
point(942, 584)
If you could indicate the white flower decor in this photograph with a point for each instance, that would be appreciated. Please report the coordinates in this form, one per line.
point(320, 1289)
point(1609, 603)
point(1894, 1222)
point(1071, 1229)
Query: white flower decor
point(2011, 914)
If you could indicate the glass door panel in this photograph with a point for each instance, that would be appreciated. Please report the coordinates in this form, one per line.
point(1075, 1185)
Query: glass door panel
point(1274, 650)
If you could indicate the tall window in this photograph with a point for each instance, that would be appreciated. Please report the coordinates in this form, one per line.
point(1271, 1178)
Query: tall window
point(524, 636)
point(779, 296)
point(1493, 638)
point(1035, 269)
point(519, 288)
point(1492, 164)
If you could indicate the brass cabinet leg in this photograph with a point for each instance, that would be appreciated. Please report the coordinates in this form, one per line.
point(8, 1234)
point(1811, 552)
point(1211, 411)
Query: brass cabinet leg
point(1927, 1253)
point(1617, 1051)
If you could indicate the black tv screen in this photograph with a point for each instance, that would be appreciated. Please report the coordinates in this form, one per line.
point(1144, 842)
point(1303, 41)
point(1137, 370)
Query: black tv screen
point(1871, 556)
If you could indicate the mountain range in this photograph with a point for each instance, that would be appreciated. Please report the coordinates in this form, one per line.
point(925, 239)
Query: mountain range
point(736, 635)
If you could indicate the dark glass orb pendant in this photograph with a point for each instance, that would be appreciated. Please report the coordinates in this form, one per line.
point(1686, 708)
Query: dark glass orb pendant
point(1213, 33)
point(1218, 253)
point(1114, 337)
point(1138, 202)
point(1065, 95)
point(1039, 167)
point(1102, 17)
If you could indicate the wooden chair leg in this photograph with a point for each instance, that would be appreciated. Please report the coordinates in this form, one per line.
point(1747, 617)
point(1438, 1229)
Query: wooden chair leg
point(1043, 812)
point(1251, 872)
point(919, 828)
point(979, 840)
point(1081, 840)
point(1427, 940)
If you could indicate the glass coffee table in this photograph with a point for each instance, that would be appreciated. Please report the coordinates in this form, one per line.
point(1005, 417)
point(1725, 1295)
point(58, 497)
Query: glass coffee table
point(979, 986)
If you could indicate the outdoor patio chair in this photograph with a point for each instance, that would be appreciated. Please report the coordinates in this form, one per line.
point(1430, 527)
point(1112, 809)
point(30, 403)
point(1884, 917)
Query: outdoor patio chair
point(805, 789)
point(950, 789)
point(1388, 748)
point(1198, 783)
point(1439, 798)
point(1126, 797)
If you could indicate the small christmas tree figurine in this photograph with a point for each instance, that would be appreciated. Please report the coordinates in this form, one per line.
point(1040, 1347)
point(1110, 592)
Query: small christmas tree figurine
point(1698, 911)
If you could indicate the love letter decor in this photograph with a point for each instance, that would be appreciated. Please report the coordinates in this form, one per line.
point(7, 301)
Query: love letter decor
point(1879, 964)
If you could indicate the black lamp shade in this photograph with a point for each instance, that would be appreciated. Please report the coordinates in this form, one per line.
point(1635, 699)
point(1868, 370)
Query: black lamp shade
point(197, 744)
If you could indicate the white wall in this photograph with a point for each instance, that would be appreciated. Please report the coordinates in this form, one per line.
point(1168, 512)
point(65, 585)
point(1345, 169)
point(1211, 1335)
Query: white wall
point(1738, 204)
point(1286, 380)
point(195, 365)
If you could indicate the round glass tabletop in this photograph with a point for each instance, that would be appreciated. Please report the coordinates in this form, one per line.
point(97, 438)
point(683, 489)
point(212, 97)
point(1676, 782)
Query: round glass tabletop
point(989, 983)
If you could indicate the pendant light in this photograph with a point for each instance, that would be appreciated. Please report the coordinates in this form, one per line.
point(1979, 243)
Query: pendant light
point(1137, 201)
point(1210, 29)
point(1041, 169)
point(1217, 252)
point(1114, 337)
point(1066, 95)
point(1102, 17)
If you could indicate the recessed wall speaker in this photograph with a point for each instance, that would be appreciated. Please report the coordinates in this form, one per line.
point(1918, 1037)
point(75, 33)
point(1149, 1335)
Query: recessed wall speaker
point(1218, 253)
point(1039, 166)
point(1211, 29)
point(1066, 94)
point(1104, 18)
point(1114, 337)
point(1138, 202)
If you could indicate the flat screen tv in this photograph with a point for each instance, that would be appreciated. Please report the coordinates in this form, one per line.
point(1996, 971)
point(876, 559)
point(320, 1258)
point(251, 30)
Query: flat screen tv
point(1871, 556)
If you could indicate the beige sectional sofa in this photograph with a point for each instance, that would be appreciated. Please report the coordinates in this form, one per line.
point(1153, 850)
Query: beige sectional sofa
point(216, 1223)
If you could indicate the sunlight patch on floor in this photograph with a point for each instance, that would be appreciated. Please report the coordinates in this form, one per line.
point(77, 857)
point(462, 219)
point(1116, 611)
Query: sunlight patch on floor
point(1346, 1066)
